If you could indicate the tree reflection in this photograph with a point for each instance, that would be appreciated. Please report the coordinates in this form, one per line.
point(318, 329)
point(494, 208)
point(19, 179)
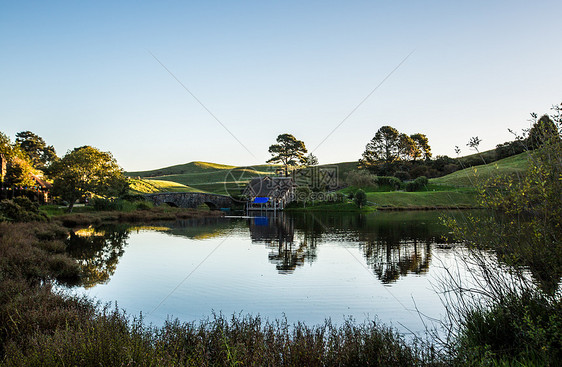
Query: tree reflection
point(97, 251)
point(394, 244)
point(277, 233)
point(390, 261)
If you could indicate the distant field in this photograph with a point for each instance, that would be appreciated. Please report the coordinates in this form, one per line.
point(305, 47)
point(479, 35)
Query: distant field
point(470, 176)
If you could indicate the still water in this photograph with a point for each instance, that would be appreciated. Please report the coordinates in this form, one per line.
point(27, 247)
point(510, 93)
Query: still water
point(305, 267)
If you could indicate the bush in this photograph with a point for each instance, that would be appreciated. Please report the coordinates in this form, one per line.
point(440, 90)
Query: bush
point(21, 209)
point(392, 183)
point(361, 179)
point(402, 175)
point(144, 205)
point(423, 181)
point(360, 198)
point(100, 204)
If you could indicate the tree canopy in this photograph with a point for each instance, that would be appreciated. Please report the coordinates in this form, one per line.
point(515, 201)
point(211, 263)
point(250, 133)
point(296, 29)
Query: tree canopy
point(543, 130)
point(41, 154)
point(87, 171)
point(389, 146)
point(288, 151)
point(422, 148)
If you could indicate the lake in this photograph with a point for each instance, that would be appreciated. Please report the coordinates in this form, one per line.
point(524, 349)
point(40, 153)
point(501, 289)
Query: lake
point(305, 267)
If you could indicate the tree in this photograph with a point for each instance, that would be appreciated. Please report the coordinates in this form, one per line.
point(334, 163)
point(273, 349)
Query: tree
point(311, 160)
point(40, 154)
point(383, 147)
point(406, 147)
point(542, 130)
point(360, 198)
point(87, 171)
point(288, 151)
point(422, 148)
point(16, 167)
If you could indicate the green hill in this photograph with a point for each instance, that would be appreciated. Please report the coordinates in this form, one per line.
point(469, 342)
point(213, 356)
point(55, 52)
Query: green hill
point(147, 186)
point(212, 177)
point(205, 176)
point(469, 176)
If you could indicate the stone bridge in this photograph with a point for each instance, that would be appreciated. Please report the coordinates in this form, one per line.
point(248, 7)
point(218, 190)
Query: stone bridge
point(191, 199)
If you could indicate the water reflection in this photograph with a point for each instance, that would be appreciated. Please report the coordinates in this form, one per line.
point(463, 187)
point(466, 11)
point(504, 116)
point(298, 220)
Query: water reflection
point(97, 251)
point(393, 244)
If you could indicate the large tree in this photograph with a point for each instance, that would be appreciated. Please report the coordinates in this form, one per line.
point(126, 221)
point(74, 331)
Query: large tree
point(87, 171)
point(41, 154)
point(383, 147)
point(288, 151)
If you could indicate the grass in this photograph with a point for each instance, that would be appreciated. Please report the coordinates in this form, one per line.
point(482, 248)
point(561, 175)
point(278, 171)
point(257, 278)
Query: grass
point(449, 199)
point(468, 177)
point(150, 186)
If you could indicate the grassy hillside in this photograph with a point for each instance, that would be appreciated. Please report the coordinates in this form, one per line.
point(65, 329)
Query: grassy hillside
point(145, 186)
point(212, 177)
point(469, 176)
point(204, 176)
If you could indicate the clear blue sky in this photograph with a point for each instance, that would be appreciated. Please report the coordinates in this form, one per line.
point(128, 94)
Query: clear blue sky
point(80, 73)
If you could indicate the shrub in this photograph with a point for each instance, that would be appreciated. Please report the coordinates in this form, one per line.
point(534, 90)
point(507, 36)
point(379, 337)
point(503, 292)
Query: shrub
point(100, 204)
point(361, 179)
point(360, 198)
point(144, 205)
point(392, 183)
point(423, 181)
point(402, 175)
point(21, 209)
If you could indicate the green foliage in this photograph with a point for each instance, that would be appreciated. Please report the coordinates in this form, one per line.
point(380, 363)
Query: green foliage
point(361, 179)
point(389, 146)
point(39, 152)
point(19, 173)
point(302, 194)
point(422, 148)
point(515, 318)
point(21, 209)
point(418, 184)
point(86, 171)
point(383, 147)
point(392, 183)
point(288, 151)
point(402, 175)
point(360, 198)
point(544, 130)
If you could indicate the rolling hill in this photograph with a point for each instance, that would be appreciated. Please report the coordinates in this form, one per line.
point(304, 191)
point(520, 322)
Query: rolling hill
point(210, 177)
point(469, 176)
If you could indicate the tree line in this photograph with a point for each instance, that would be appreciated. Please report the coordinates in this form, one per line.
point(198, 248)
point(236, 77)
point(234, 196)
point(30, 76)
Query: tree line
point(83, 172)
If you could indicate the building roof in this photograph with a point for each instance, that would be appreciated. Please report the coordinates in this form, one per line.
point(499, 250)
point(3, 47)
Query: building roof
point(272, 187)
